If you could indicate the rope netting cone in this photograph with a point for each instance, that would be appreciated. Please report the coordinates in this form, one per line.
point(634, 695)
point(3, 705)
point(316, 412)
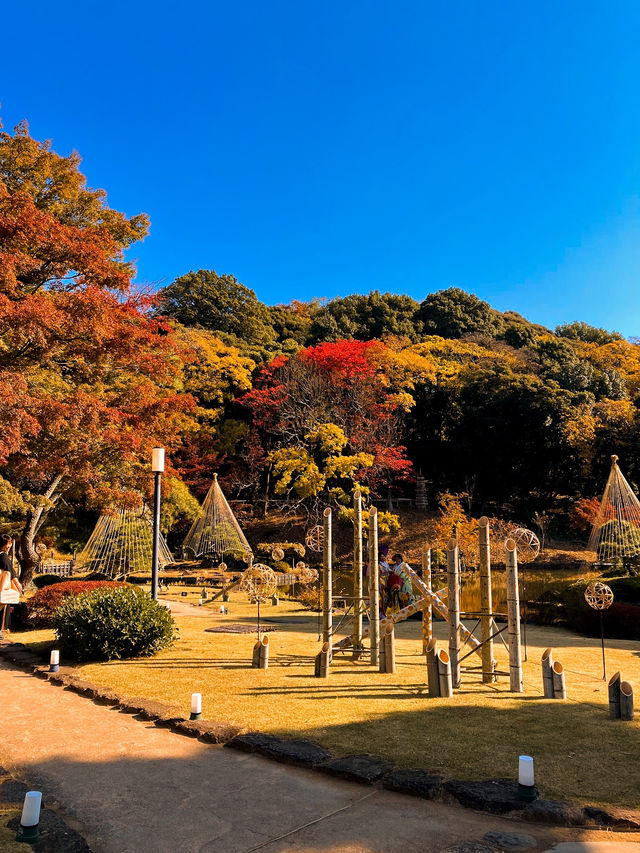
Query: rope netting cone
point(616, 530)
point(122, 543)
point(216, 531)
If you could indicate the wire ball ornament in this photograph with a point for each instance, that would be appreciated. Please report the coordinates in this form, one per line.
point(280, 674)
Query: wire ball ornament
point(222, 567)
point(305, 574)
point(41, 549)
point(259, 582)
point(598, 595)
point(527, 543)
point(277, 554)
point(314, 538)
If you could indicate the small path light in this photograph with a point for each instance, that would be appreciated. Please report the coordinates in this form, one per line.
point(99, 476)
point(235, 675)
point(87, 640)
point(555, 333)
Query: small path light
point(157, 467)
point(28, 830)
point(526, 782)
point(196, 706)
point(54, 661)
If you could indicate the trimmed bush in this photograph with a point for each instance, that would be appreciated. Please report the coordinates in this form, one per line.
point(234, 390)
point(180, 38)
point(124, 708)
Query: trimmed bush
point(42, 606)
point(40, 581)
point(115, 623)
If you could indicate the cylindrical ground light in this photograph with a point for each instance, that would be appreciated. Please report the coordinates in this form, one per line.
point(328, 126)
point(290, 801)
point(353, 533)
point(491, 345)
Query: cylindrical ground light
point(526, 781)
point(196, 706)
point(30, 819)
point(54, 661)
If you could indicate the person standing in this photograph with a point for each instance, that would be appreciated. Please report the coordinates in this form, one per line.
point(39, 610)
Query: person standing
point(8, 576)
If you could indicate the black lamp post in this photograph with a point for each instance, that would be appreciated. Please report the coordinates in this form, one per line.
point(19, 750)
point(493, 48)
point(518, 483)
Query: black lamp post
point(157, 466)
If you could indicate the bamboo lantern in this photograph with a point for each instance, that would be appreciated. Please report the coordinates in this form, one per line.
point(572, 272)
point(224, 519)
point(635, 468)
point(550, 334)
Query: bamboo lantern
point(626, 701)
point(356, 637)
point(513, 618)
point(547, 674)
point(453, 577)
point(486, 604)
point(614, 696)
point(444, 674)
point(322, 661)
point(559, 687)
point(388, 649)
point(432, 668)
point(374, 589)
point(327, 579)
point(427, 610)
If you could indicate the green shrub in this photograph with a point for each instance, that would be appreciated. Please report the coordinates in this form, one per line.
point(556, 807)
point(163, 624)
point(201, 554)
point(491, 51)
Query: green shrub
point(40, 581)
point(44, 603)
point(113, 623)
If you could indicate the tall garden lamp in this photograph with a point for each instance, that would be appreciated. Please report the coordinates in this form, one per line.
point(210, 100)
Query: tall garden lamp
point(157, 466)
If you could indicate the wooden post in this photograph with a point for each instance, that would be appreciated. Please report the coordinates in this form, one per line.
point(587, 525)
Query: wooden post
point(559, 686)
point(388, 649)
point(513, 618)
point(614, 696)
point(453, 603)
point(327, 580)
point(374, 591)
point(356, 637)
point(432, 668)
point(444, 674)
point(486, 606)
point(427, 610)
point(322, 661)
point(547, 674)
point(626, 701)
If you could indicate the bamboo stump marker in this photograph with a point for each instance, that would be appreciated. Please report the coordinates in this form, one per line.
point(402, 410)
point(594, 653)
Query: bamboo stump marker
point(547, 674)
point(453, 577)
point(559, 686)
point(261, 653)
point(513, 618)
point(327, 579)
point(427, 610)
point(486, 604)
point(626, 701)
point(374, 589)
point(444, 674)
point(432, 668)
point(322, 661)
point(614, 696)
point(356, 637)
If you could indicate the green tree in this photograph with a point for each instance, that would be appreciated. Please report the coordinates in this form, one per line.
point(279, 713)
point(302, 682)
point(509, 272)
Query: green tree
point(365, 317)
point(454, 313)
point(578, 331)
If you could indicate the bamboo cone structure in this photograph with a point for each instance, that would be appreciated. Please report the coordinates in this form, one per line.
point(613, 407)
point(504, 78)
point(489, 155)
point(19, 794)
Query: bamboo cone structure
point(614, 696)
point(486, 605)
point(327, 579)
point(388, 649)
point(559, 686)
point(322, 661)
point(427, 610)
point(513, 618)
point(374, 589)
point(356, 637)
point(453, 602)
point(432, 668)
point(547, 674)
point(626, 701)
point(445, 684)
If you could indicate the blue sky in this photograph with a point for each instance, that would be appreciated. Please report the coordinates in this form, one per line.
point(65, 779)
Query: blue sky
point(320, 149)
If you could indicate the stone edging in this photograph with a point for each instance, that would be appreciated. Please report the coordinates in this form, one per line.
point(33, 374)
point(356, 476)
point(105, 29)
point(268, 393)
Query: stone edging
point(497, 796)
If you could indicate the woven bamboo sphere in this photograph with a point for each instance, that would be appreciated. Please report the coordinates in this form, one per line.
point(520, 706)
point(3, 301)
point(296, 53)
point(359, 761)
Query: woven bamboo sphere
point(314, 538)
point(277, 554)
point(598, 595)
point(259, 582)
point(527, 543)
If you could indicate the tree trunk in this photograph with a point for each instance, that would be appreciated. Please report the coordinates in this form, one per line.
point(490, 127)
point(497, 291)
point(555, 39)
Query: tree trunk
point(26, 550)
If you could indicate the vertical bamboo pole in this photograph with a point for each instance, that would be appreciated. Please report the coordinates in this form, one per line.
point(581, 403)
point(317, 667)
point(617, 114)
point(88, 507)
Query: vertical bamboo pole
point(453, 603)
point(327, 580)
point(614, 696)
point(626, 701)
point(547, 674)
point(374, 592)
point(486, 606)
point(321, 669)
point(432, 668)
point(356, 637)
point(427, 610)
point(263, 653)
point(559, 685)
point(444, 674)
point(513, 618)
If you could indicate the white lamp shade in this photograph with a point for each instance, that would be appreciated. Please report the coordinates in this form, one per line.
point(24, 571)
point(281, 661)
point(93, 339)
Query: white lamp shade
point(157, 460)
point(31, 808)
point(525, 770)
point(196, 703)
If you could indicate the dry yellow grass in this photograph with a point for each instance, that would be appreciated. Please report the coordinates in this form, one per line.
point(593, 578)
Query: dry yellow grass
point(580, 754)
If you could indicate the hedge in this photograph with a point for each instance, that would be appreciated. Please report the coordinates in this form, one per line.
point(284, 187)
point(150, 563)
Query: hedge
point(42, 606)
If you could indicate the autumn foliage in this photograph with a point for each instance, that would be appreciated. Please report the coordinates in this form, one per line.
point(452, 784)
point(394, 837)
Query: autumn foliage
point(43, 604)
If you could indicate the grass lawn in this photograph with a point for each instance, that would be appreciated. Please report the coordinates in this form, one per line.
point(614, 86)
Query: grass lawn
point(580, 754)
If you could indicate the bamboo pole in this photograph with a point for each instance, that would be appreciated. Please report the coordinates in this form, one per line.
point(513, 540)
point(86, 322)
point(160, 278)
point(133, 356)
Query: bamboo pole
point(327, 579)
point(486, 605)
point(322, 661)
point(427, 610)
point(432, 668)
point(356, 637)
point(513, 618)
point(626, 701)
point(453, 603)
point(263, 654)
point(388, 649)
point(374, 589)
point(445, 684)
point(614, 696)
point(547, 674)
point(559, 686)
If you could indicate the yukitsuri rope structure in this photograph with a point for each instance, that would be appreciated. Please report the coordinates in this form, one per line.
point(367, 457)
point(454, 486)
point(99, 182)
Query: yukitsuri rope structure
point(122, 543)
point(216, 531)
point(616, 529)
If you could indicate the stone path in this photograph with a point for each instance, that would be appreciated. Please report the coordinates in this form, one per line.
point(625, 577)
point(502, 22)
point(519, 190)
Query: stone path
point(127, 786)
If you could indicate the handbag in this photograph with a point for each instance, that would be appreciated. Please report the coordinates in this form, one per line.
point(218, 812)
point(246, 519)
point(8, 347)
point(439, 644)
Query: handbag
point(9, 596)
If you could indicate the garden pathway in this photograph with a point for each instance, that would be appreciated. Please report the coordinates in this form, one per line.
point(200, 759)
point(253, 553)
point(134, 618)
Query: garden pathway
point(130, 786)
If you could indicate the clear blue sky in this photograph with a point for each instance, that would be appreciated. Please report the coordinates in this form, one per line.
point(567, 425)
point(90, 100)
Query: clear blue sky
point(320, 149)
